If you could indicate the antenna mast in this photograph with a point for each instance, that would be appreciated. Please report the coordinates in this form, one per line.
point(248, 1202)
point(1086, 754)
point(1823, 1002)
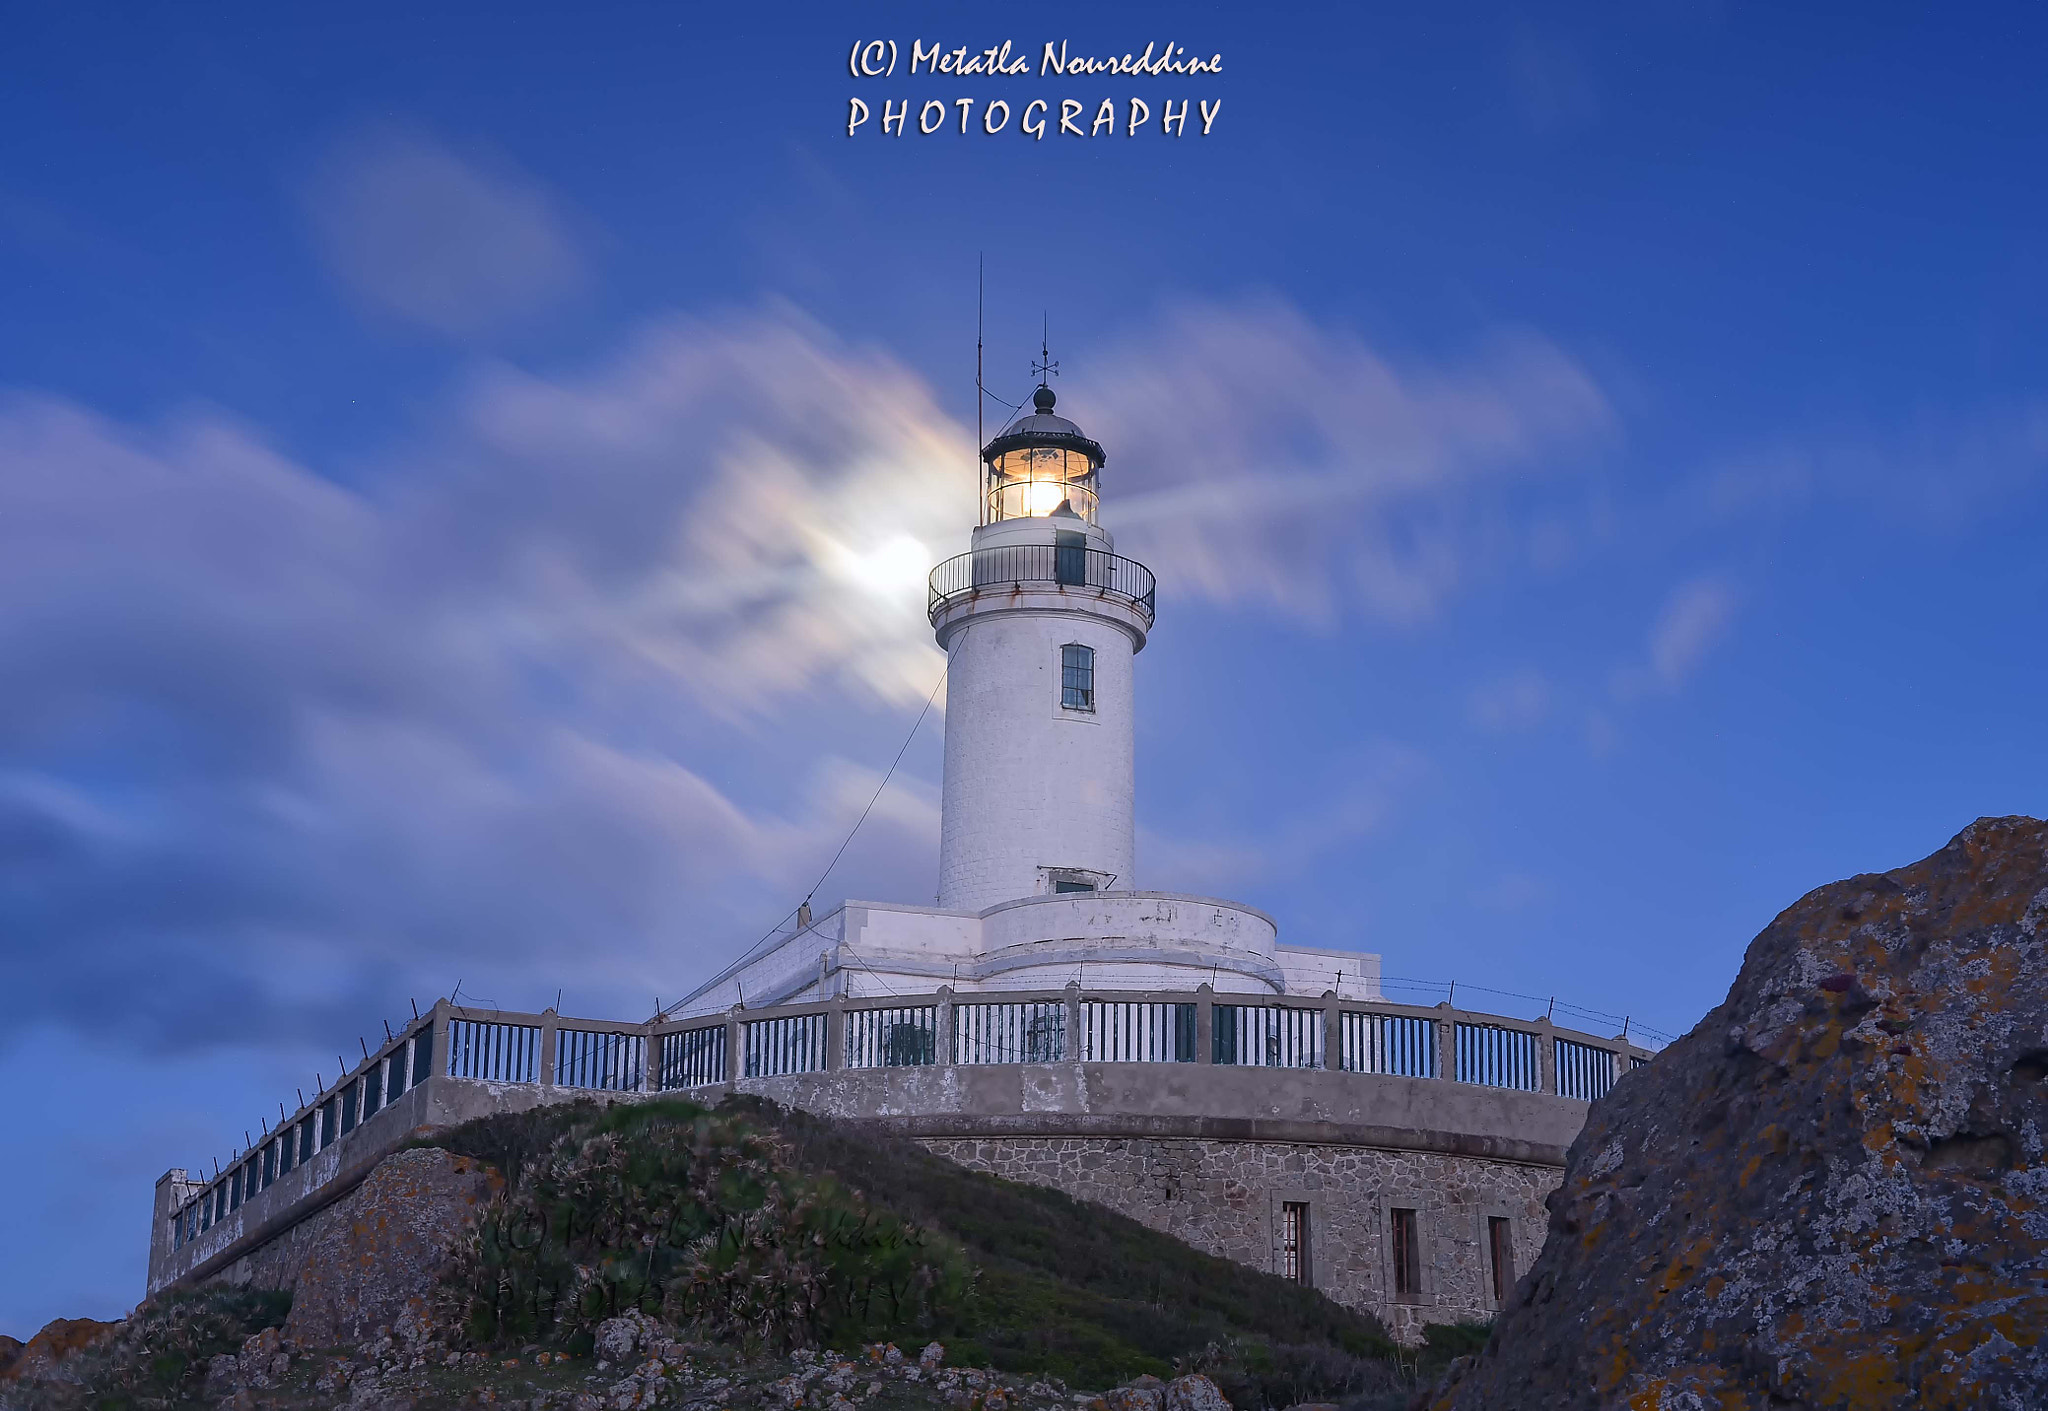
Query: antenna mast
point(980, 472)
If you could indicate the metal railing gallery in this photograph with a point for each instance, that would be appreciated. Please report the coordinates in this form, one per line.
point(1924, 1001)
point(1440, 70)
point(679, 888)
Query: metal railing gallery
point(1374, 1038)
point(1058, 565)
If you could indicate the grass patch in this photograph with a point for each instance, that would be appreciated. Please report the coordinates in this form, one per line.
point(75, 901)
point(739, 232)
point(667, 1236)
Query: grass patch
point(689, 1214)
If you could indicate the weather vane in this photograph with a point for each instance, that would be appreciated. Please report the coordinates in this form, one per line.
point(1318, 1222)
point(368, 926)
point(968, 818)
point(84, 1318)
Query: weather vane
point(1045, 367)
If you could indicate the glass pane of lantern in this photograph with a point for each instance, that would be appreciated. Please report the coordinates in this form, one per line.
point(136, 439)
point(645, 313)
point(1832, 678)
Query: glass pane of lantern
point(1033, 481)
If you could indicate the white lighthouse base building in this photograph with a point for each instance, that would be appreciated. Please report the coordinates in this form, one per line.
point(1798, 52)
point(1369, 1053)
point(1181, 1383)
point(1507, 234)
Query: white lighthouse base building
point(1098, 940)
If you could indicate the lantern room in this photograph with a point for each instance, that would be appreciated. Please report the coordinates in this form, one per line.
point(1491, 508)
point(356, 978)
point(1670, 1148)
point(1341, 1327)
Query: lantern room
point(1040, 464)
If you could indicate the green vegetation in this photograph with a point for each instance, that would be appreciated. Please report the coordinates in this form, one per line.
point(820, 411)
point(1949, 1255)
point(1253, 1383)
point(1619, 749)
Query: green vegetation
point(752, 1230)
point(778, 1228)
point(158, 1358)
point(696, 1218)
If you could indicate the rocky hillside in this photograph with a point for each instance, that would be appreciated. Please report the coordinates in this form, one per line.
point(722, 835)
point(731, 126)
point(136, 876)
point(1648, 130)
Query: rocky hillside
point(1834, 1191)
point(657, 1254)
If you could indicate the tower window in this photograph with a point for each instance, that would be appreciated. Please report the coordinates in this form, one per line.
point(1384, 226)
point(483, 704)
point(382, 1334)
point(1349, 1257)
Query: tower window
point(1077, 677)
point(1294, 1242)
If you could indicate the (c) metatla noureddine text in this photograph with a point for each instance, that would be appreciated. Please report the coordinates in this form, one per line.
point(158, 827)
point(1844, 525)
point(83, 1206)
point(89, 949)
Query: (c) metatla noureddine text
point(876, 58)
point(1073, 117)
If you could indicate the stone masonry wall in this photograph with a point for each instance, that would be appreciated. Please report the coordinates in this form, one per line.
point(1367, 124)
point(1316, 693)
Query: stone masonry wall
point(1225, 1197)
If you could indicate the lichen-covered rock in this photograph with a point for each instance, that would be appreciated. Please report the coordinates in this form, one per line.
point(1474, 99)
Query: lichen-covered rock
point(1145, 1394)
point(617, 1340)
point(383, 1263)
point(1195, 1393)
point(1833, 1192)
point(44, 1357)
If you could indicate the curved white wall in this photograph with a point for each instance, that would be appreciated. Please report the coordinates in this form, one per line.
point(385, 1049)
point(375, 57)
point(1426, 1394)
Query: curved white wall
point(1029, 784)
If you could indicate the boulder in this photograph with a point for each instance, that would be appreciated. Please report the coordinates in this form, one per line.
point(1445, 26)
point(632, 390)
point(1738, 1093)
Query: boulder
point(1147, 1393)
point(1833, 1192)
point(10, 1349)
point(383, 1262)
point(1195, 1393)
point(618, 1340)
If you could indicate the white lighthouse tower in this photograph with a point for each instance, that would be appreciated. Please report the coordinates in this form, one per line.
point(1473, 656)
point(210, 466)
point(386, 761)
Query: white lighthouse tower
point(1040, 621)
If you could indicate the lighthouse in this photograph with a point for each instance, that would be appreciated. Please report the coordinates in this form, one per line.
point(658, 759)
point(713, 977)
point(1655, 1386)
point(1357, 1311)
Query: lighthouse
point(1041, 621)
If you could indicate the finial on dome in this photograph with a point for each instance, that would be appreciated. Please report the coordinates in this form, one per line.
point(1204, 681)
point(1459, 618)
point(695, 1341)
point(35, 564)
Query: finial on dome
point(1047, 370)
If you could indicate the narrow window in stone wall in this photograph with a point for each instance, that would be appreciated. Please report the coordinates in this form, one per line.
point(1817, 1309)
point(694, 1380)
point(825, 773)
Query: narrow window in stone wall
point(1294, 1242)
point(395, 1084)
point(373, 1091)
point(1501, 1246)
point(348, 1109)
point(269, 1164)
point(235, 1191)
point(329, 1112)
point(305, 1141)
point(1077, 677)
point(1407, 1257)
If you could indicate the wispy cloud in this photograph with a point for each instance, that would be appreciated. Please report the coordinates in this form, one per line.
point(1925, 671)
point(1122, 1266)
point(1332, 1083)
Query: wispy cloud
point(1931, 474)
point(1361, 793)
point(275, 746)
point(1262, 458)
point(459, 244)
point(1693, 620)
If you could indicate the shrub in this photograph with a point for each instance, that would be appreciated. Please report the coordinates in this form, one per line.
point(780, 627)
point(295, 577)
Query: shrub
point(158, 1358)
point(693, 1217)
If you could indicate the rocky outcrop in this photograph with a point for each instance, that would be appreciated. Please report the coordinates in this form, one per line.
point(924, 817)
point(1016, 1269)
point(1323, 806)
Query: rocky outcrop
point(43, 1357)
point(386, 1258)
point(262, 1362)
point(1833, 1192)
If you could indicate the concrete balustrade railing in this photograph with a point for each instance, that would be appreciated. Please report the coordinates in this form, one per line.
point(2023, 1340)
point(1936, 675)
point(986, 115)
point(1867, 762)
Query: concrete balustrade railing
point(317, 1152)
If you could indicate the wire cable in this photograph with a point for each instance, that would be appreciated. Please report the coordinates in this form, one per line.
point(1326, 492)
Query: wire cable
point(797, 910)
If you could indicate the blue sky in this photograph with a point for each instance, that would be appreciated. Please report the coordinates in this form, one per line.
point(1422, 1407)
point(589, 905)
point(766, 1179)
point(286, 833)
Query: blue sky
point(451, 468)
